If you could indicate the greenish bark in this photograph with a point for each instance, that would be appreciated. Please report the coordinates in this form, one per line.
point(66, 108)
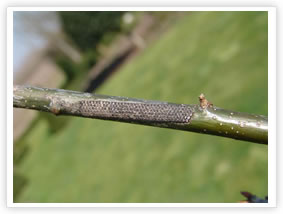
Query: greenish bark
point(196, 118)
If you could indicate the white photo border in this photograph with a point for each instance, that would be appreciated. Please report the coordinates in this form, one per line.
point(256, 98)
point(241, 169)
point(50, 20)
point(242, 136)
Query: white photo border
point(271, 106)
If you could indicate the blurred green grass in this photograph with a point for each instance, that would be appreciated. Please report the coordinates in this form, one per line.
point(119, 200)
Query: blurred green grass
point(220, 54)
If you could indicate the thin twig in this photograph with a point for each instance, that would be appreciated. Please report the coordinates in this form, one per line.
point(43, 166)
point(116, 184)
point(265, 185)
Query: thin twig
point(204, 118)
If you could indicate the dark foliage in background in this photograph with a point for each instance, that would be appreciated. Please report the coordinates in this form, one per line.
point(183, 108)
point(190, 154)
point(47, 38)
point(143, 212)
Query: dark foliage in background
point(87, 28)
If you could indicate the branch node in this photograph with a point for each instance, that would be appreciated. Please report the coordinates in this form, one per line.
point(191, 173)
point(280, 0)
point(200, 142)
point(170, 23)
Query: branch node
point(204, 103)
point(55, 106)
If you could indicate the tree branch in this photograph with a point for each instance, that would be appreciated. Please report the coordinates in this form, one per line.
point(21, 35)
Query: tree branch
point(204, 118)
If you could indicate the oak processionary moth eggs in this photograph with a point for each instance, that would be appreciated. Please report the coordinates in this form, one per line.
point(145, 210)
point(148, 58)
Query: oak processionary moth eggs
point(136, 111)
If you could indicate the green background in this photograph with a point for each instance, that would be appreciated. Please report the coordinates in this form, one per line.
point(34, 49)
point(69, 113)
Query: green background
point(220, 54)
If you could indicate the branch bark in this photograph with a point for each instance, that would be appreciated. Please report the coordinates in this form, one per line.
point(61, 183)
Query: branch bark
point(204, 118)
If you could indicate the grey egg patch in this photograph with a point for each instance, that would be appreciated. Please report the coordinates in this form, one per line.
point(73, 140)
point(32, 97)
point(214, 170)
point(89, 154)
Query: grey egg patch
point(136, 111)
